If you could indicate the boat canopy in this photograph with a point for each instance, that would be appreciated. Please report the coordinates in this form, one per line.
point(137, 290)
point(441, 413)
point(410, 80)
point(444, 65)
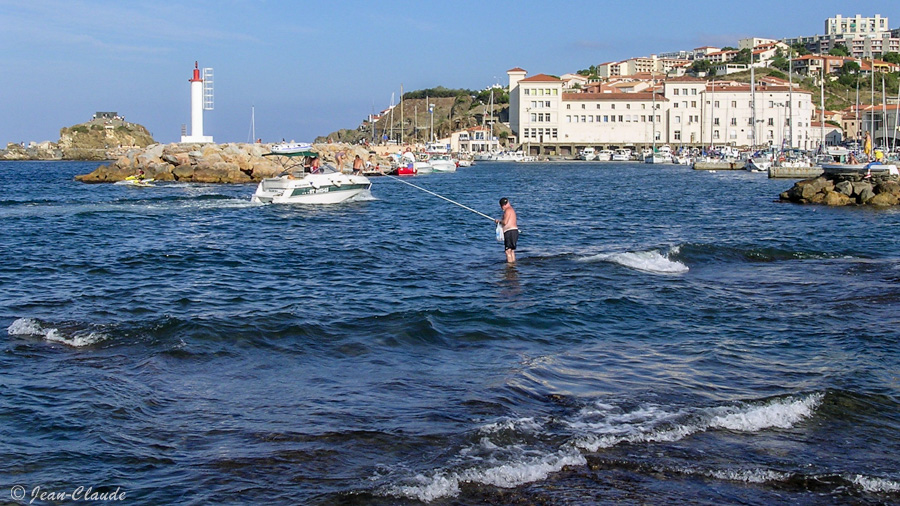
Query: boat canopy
point(312, 154)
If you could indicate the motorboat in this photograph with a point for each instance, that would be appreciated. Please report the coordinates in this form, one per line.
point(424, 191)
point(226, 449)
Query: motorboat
point(587, 154)
point(604, 155)
point(442, 163)
point(291, 148)
point(299, 184)
point(841, 161)
point(621, 155)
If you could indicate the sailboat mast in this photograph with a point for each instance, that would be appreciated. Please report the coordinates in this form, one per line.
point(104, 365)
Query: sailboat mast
point(883, 111)
point(791, 95)
point(896, 121)
point(402, 121)
point(822, 116)
point(752, 98)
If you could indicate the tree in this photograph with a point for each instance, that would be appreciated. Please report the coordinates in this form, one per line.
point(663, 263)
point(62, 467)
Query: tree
point(839, 50)
point(891, 58)
point(800, 49)
point(850, 67)
point(701, 66)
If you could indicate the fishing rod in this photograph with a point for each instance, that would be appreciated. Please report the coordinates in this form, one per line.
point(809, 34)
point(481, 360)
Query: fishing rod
point(441, 197)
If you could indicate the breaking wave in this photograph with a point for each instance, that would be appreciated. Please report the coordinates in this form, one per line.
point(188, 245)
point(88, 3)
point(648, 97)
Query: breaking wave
point(647, 261)
point(508, 453)
point(76, 338)
point(606, 426)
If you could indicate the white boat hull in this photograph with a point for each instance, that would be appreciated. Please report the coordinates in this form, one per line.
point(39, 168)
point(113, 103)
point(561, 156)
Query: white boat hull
point(328, 188)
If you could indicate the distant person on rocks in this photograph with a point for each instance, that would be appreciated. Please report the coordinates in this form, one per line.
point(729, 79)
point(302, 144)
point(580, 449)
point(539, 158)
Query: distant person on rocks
point(510, 229)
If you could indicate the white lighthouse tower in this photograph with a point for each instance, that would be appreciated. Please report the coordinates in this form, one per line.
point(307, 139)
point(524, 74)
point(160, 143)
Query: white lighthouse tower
point(201, 99)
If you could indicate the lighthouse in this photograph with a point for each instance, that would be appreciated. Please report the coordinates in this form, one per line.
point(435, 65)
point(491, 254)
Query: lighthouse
point(201, 99)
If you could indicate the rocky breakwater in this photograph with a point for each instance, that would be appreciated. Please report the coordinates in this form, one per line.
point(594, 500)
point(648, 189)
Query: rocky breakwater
point(210, 163)
point(846, 190)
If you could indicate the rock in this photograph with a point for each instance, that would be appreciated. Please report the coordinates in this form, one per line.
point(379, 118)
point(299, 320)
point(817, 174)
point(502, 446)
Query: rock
point(859, 187)
point(834, 198)
point(892, 187)
point(844, 187)
point(183, 172)
point(865, 195)
point(884, 200)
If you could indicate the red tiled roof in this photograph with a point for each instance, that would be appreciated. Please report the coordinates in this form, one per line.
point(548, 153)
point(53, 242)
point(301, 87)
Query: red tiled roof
point(516, 69)
point(543, 78)
point(642, 95)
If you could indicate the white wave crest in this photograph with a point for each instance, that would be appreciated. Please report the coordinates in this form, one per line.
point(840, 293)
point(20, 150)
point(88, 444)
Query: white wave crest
point(32, 327)
point(606, 428)
point(528, 425)
point(646, 261)
point(505, 475)
point(782, 414)
point(875, 485)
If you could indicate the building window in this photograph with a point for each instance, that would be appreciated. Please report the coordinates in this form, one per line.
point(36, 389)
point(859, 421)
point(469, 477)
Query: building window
point(716, 121)
point(674, 91)
point(583, 106)
point(716, 104)
point(568, 106)
point(675, 105)
point(693, 103)
point(527, 91)
point(613, 106)
point(620, 118)
point(715, 134)
point(693, 91)
point(677, 135)
point(733, 121)
point(734, 104)
point(771, 121)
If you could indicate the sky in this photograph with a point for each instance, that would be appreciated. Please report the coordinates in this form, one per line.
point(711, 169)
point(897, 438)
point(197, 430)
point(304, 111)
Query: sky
point(305, 69)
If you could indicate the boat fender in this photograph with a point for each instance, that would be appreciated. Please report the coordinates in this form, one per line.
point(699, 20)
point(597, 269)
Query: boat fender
point(315, 184)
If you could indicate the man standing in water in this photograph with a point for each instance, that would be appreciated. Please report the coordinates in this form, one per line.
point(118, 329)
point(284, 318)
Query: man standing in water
point(510, 229)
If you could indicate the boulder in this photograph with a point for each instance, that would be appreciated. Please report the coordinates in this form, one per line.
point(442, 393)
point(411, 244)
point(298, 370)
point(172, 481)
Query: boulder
point(844, 187)
point(834, 198)
point(183, 172)
point(884, 200)
point(860, 186)
point(865, 195)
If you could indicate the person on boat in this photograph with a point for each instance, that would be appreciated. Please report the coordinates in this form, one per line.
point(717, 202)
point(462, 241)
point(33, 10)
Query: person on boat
point(357, 165)
point(315, 165)
point(140, 176)
point(339, 160)
point(510, 229)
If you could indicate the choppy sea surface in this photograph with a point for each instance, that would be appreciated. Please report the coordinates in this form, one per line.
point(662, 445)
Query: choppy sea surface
point(667, 336)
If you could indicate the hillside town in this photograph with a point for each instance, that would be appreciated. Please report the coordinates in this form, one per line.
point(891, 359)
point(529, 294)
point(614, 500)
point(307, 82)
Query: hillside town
point(691, 99)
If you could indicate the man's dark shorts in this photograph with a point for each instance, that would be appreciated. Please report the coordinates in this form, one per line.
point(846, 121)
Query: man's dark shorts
point(510, 237)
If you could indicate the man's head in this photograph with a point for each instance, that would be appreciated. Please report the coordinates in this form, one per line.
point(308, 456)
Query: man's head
point(504, 201)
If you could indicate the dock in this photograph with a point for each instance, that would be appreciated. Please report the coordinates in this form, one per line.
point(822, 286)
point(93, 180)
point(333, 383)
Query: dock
point(736, 165)
point(795, 172)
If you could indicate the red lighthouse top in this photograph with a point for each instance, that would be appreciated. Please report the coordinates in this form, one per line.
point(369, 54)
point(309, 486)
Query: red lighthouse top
point(196, 78)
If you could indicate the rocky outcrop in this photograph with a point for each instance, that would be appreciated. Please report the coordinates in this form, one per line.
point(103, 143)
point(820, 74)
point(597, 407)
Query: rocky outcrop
point(844, 190)
point(98, 139)
point(212, 163)
point(35, 151)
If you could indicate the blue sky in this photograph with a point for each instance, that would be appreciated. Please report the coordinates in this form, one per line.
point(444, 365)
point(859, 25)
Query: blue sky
point(312, 67)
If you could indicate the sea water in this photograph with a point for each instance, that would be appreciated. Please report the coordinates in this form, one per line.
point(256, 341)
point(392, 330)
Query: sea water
point(666, 336)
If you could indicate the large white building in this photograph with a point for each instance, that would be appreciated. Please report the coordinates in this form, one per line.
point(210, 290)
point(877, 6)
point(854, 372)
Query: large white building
point(551, 120)
point(840, 25)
